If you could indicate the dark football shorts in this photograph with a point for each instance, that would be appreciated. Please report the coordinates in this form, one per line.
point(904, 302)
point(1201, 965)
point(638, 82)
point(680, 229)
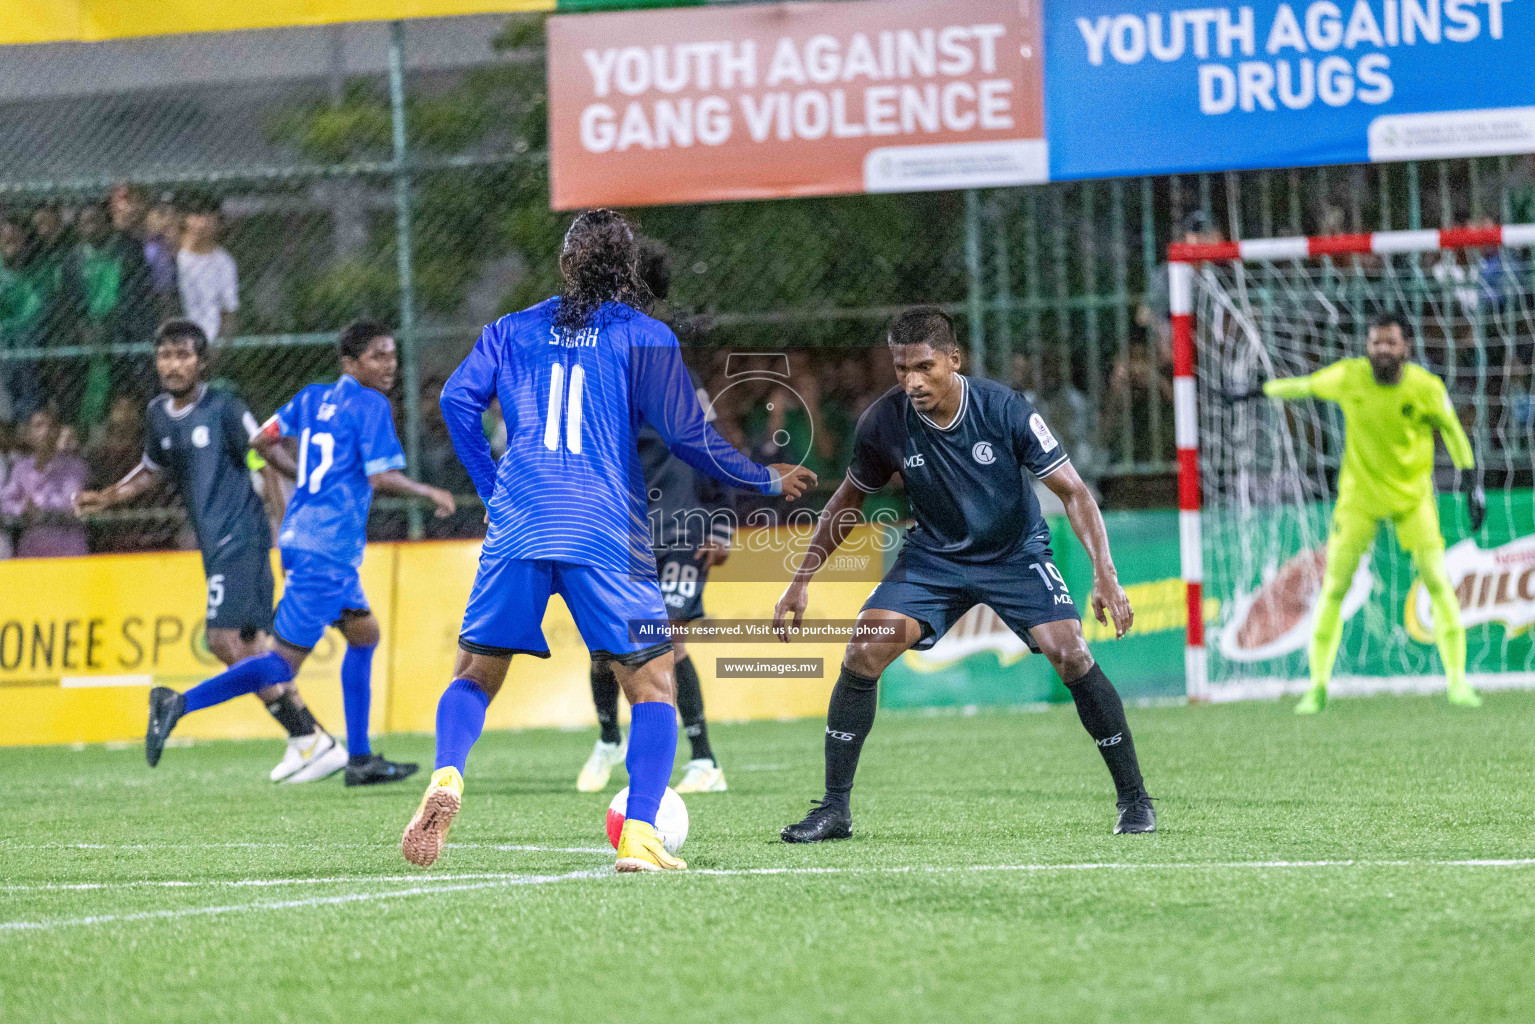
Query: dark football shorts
point(1024, 593)
point(682, 578)
point(240, 588)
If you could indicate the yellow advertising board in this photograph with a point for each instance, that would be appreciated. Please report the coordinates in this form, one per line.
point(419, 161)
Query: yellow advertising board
point(94, 20)
point(83, 639)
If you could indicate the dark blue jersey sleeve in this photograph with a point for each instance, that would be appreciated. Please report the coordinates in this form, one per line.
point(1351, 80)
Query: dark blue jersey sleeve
point(879, 445)
point(1037, 449)
point(239, 426)
point(465, 398)
point(662, 391)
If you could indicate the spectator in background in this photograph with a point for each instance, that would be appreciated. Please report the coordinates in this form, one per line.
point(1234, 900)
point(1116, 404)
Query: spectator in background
point(205, 272)
point(38, 499)
point(1136, 385)
point(107, 286)
point(21, 318)
point(162, 246)
point(1155, 311)
point(117, 445)
point(6, 438)
point(1068, 411)
point(53, 241)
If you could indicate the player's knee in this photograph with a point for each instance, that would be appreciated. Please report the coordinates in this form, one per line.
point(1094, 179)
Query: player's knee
point(225, 645)
point(1335, 585)
point(360, 630)
point(1075, 664)
point(1071, 660)
point(868, 659)
point(679, 649)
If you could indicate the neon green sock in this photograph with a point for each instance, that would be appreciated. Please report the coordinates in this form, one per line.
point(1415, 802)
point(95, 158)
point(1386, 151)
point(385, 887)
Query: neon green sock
point(1449, 632)
point(1326, 634)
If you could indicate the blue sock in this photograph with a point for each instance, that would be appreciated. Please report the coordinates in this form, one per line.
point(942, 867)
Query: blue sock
point(652, 748)
point(460, 719)
point(356, 697)
point(254, 673)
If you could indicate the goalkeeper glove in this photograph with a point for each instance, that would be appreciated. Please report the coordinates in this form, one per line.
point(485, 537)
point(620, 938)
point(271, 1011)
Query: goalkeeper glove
point(1476, 506)
point(1255, 391)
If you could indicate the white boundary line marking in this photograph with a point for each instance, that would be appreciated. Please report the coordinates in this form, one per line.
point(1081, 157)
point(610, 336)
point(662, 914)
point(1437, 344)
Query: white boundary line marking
point(316, 901)
point(603, 873)
point(7, 845)
point(244, 883)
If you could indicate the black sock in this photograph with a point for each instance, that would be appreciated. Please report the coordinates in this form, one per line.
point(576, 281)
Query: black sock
point(690, 705)
point(605, 696)
point(848, 721)
point(1103, 716)
point(291, 715)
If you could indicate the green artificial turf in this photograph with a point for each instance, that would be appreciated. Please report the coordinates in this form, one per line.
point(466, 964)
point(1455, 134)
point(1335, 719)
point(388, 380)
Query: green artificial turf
point(982, 882)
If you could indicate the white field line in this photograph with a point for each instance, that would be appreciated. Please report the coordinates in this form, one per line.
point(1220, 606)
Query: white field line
point(315, 901)
point(247, 883)
point(606, 851)
point(603, 873)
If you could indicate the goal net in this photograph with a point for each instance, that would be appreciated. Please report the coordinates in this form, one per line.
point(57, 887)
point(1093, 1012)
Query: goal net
point(1259, 477)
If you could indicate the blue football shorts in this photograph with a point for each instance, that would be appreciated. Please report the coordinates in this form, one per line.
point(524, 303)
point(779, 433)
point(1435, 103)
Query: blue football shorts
point(317, 592)
point(506, 609)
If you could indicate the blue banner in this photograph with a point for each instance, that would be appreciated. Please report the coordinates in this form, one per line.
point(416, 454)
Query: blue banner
point(1140, 87)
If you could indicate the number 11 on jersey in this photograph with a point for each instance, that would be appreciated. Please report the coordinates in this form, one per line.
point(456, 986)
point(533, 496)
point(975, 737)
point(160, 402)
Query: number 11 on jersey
point(572, 411)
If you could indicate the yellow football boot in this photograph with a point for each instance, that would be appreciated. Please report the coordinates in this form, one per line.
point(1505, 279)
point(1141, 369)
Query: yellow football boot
point(427, 832)
point(640, 849)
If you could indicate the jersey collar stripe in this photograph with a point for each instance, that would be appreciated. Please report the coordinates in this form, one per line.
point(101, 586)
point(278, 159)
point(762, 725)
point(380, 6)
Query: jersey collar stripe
point(181, 414)
point(1057, 464)
point(149, 464)
point(859, 484)
point(964, 407)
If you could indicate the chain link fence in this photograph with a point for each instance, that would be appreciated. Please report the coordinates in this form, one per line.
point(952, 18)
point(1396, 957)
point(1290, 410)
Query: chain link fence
point(275, 185)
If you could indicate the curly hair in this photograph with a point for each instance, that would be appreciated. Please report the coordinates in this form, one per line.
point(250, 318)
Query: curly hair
point(600, 264)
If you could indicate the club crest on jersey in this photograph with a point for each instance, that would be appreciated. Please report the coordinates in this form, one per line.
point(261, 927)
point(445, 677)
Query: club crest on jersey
point(200, 436)
point(1047, 440)
point(983, 453)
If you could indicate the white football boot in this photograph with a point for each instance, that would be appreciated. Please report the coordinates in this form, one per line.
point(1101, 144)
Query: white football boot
point(702, 776)
point(599, 767)
point(319, 755)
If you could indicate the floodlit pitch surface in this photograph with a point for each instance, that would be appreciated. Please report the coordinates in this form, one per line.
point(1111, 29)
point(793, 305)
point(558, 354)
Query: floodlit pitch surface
point(1376, 863)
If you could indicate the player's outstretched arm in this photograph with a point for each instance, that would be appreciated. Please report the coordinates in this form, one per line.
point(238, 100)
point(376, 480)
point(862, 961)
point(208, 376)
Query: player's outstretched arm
point(465, 397)
point(663, 392)
point(1463, 456)
point(841, 514)
point(1087, 524)
point(392, 481)
point(138, 481)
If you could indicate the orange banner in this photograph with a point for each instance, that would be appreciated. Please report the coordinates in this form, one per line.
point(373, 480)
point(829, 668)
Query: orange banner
point(795, 99)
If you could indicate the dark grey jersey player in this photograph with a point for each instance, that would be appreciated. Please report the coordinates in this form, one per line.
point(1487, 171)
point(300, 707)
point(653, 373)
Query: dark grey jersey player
point(963, 447)
point(692, 526)
point(198, 438)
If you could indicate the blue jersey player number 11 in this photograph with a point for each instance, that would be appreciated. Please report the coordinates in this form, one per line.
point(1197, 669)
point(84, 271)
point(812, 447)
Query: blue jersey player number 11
point(576, 376)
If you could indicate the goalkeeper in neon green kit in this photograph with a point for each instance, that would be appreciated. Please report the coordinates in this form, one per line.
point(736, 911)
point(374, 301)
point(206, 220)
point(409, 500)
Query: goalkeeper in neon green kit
point(1391, 409)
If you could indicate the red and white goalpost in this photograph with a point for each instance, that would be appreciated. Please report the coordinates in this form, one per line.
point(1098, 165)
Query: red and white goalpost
point(1249, 310)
